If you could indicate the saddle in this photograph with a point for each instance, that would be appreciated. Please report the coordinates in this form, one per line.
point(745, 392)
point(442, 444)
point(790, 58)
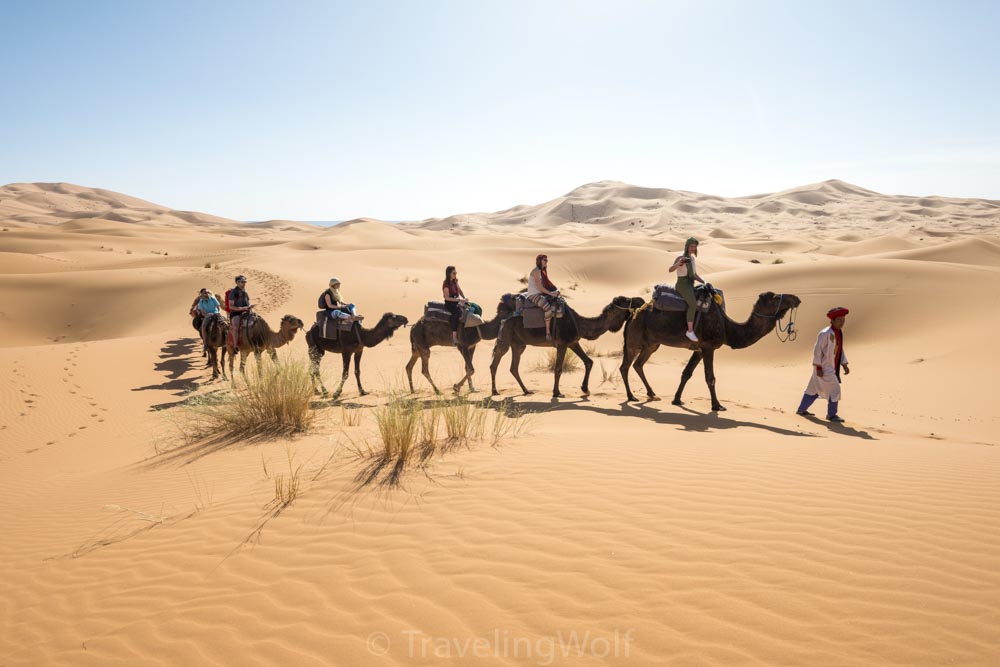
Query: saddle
point(331, 327)
point(666, 298)
point(532, 316)
point(242, 333)
point(437, 311)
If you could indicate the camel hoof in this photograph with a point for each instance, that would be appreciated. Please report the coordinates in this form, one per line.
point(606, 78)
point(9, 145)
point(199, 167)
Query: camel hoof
point(558, 395)
point(362, 393)
point(495, 393)
point(718, 408)
point(652, 397)
point(631, 398)
point(528, 392)
point(677, 401)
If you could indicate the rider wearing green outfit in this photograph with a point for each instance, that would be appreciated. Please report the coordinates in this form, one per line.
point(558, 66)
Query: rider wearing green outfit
point(687, 274)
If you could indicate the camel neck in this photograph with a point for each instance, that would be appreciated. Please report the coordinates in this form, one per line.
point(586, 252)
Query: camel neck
point(592, 328)
point(740, 335)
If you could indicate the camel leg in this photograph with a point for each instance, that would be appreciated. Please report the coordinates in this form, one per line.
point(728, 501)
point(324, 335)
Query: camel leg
point(499, 349)
point(243, 363)
point(686, 375)
point(710, 380)
point(357, 370)
point(315, 356)
point(628, 356)
point(560, 358)
point(588, 363)
point(274, 355)
point(414, 355)
point(516, 350)
point(260, 369)
point(469, 370)
point(213, 361)
point(343, 376)
point(639, 365)
point(425, 369)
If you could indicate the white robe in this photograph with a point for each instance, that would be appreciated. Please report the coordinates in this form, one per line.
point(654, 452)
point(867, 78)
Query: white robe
point(824, 355)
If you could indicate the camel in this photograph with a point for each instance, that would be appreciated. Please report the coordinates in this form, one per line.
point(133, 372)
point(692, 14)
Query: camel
point(215, 341)
point(566, 334)
point(261, 337)
point(350, 343)
point(651, 328)
point(426, 334)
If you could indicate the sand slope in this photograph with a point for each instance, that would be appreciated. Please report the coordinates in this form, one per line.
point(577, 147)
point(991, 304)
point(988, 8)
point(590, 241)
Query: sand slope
point(645, 531)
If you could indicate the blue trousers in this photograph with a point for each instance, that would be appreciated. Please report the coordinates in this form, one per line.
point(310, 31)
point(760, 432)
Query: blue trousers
point(809, 399)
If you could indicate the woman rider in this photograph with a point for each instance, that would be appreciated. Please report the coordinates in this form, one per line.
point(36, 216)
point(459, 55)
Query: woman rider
point(542, 292)
point(454, 299)
point(687, 273)
point(335, 306)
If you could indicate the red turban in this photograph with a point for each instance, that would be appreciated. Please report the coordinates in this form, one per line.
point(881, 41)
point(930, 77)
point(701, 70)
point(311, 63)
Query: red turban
point(839, 311)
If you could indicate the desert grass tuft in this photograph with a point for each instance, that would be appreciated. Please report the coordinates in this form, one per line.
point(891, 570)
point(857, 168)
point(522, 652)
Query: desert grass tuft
point(350, 416)
point(274, 402)
point(286, 487)
point(571, 362)
point(411, 433)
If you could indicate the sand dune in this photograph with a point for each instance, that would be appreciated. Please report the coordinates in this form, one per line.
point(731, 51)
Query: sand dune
point(747, 536)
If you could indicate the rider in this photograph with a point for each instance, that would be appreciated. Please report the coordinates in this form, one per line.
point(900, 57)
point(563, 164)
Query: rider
point(207, 305)
point(335, 305)
point(542, 292)
point(454, 300)
point(239, 303)
point(687, 274)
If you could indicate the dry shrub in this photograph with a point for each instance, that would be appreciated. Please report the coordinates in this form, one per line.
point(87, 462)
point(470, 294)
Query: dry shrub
point(350, 416)
point(755, 261)
point(571, 362)
point(411, 433)
point(286, 488)
point(778, 261)
point(613, 376)
point(275, 401)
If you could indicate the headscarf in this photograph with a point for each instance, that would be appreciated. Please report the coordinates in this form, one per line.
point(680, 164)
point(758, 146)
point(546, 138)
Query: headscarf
point(839, 311)
point(546, 283)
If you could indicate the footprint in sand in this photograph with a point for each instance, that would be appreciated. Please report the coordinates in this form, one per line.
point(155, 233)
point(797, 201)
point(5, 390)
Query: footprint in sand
point(50, 442)
point(29, 451)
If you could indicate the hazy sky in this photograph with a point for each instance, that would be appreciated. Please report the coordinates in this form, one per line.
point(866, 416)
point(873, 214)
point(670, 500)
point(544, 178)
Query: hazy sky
point(410, 109)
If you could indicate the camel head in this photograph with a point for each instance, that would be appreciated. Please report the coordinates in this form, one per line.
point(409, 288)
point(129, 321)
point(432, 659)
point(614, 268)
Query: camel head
point(622, 308)
point(290, 325)
point(769, 303)
point(392, 322)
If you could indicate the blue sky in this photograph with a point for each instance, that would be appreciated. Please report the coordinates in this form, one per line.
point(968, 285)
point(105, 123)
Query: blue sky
point(411, 109)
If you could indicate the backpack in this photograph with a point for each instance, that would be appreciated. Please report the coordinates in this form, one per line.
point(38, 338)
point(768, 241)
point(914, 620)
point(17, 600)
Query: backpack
point(321, 302)
point(225, 306)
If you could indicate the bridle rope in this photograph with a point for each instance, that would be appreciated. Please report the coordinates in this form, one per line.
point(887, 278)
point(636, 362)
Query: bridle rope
point(789, 329)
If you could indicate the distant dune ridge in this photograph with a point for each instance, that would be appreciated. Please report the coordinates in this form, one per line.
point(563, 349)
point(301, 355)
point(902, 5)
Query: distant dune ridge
point(751, 536)
point(822, 206)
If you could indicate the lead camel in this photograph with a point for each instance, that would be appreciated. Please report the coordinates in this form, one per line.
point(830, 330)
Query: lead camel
point(651, 328)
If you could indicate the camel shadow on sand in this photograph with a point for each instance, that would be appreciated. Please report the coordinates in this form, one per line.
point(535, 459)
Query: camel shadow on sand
point(685, 418)
point(177, 358)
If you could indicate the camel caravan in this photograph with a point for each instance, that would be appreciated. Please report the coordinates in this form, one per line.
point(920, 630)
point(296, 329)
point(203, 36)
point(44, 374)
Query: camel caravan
point(684, 316)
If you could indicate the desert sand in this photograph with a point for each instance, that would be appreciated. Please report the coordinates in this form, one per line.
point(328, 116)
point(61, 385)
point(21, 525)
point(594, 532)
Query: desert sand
point(612, 532)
